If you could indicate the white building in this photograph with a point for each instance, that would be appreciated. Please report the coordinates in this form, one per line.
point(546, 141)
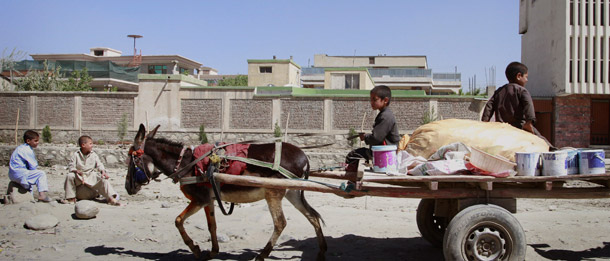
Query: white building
point(397, 72)
point(566, 46)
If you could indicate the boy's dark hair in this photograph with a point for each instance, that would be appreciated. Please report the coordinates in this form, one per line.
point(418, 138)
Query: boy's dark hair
point(30, 135)
point(382, 92)
point(83, 138)
point(513, 69)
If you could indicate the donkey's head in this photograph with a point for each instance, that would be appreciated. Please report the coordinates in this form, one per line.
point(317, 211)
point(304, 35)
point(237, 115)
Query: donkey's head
point(141, 168)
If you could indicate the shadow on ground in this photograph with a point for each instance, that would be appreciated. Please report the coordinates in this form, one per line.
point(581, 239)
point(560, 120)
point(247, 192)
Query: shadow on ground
point(571, 255)
point(348, 247)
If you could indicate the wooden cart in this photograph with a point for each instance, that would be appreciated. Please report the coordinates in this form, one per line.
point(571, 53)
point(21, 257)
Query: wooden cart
point(469, 216)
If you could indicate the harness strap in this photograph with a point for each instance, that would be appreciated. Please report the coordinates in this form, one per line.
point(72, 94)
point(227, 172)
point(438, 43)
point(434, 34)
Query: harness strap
point(193, 180)
point(180, 158)
point(181, 172)
point(286, 173)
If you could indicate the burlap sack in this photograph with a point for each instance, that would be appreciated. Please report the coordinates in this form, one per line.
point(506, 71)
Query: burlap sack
point(492, 137)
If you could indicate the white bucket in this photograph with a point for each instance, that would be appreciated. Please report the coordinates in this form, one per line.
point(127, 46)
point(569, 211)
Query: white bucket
point(572, 161)
point(554, 163)
point(384, 159)
point(592, 162)
point(527, 163)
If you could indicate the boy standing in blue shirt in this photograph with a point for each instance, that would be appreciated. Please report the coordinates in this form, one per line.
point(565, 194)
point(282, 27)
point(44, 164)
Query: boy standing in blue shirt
point(23, 164)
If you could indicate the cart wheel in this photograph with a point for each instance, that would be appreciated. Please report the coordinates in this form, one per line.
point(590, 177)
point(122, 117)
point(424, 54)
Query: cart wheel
point(484, 232)
point(431, 227)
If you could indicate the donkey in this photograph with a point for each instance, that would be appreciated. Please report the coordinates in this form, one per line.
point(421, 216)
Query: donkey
point(154, 156)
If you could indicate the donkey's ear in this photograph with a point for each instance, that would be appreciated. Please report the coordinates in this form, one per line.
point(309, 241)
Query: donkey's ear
point(140, 136)
point(152, 133)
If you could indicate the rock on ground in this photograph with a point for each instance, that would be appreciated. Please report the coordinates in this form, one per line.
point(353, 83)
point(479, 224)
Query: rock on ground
point(41, 222)
point(86, 209)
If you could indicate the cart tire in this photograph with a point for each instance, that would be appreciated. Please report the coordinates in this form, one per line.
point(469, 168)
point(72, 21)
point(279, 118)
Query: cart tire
point(484, 232)
point(431, 227)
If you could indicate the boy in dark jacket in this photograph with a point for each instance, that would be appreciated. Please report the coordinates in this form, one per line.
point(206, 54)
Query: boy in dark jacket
point(385, 130)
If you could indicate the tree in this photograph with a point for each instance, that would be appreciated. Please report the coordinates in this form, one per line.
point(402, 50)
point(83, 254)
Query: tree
point(122, 127)
point(277, 131)
point(203, 137)
point(45, 80)
point(429, 116)
point(78, 81)
point(7, 62)
point(239, 80)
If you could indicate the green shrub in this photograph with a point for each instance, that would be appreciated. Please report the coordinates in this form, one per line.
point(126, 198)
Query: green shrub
point(429, 116)
point(122, 127)
point(202, 136)
point(352, 132)
point(46, 134)
point(277, 131)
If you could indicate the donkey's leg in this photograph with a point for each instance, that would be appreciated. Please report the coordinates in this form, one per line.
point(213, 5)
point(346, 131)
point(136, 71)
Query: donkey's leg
point(211, 218)
point(274, 201)
point(191, 209)
point(296, 198)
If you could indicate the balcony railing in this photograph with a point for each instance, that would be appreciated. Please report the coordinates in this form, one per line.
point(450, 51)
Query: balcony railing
point(457, 77)
point(400, 72)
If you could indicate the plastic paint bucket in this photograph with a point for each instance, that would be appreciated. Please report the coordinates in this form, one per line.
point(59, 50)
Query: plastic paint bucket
point(554, 163)
point(527, 163)
point(592, 162)
point(572, 161)
point(384, 159)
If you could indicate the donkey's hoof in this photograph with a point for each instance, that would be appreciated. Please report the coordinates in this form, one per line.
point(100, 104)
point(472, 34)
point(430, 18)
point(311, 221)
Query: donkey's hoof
point(197, 252)
point(212, 254)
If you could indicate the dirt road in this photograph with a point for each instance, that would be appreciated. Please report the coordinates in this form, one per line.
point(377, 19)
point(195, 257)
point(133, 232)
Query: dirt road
point(364, 228)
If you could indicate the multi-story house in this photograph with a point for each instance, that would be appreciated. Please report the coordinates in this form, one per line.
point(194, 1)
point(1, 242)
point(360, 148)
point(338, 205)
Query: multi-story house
point(397, 72)
point(566, 46)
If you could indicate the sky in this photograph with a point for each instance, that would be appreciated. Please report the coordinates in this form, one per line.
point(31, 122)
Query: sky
point(472, 35)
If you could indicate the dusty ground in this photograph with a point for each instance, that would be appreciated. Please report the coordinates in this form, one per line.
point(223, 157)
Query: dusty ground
point(363, 228)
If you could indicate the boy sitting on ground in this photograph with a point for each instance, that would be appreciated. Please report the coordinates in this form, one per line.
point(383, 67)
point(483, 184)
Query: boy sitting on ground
point(23, 167)
point(88, 178)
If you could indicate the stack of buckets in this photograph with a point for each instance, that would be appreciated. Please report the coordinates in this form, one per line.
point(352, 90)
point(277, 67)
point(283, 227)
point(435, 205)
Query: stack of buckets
point(560, 163)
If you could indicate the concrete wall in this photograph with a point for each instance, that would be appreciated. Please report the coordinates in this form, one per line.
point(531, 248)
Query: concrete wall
point(544, 45)
point(227, 110)
point(76, 111)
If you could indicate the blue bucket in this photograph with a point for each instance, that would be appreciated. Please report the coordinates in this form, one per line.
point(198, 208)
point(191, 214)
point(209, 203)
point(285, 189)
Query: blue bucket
point(572, 161)
point(527, 163)
point(592, 162)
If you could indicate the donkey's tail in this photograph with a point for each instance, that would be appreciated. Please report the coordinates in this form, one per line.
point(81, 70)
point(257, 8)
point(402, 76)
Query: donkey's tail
point(310, 209)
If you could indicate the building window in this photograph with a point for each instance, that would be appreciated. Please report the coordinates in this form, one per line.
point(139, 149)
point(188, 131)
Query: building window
point(601, 62)
point(98, 52)
point(602, 13)
point(371, 60)
point(265, 69)
point(571, 80)
point(352, 81)
point(157, 69)
point(594, 13)
point(183, 70)
point(572, 12)
point(571, 59)
point(587, 54)
point(579, 4)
